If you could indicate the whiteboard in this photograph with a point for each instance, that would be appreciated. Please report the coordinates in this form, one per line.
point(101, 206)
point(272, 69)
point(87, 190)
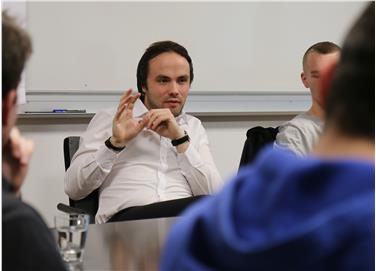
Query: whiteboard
point(250, 47)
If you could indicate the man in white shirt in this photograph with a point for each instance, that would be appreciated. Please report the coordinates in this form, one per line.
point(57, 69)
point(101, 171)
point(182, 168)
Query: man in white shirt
point(302, 132)
point(146, 152)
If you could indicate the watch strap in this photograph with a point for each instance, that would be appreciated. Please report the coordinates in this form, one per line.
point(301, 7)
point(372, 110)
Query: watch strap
point(112, 147)
point(181, 140)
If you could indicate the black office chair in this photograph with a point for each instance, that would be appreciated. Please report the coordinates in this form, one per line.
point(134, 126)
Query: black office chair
point(89, 204)
point(257, 138)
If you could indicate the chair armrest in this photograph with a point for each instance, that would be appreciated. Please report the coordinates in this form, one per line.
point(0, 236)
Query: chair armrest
point(73, 210)
point(70, 210)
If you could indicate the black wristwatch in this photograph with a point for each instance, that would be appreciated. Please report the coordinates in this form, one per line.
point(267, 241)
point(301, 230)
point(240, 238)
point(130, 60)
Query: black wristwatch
point(112, 147)
point(178, 141)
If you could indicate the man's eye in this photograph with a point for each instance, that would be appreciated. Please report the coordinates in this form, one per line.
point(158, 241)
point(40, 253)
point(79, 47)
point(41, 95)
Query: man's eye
point(162, 80)
point(182, 80)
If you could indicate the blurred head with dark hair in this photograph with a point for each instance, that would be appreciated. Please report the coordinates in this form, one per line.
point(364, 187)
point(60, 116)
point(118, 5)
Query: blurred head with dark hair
point(350, 105)
point(349, 93)
point(16, 46)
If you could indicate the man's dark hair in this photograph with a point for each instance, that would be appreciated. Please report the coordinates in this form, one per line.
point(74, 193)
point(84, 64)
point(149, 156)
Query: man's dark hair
point(350, 106)
point(154, 50)
point(16, 50)
point(323, 48)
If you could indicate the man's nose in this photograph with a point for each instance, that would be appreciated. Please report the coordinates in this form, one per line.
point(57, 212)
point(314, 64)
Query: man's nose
point(174, 89)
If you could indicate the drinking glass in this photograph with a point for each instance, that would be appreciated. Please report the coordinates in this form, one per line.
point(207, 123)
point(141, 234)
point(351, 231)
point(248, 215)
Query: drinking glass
point(71, 230)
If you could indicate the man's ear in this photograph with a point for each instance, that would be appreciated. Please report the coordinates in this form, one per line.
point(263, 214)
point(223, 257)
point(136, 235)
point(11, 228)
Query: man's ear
point(304, 79)
point(327, 75)
point(8, 104)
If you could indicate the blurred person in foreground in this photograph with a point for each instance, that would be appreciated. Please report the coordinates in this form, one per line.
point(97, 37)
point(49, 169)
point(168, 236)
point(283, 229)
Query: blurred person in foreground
point(290, 213)
point(27, 243)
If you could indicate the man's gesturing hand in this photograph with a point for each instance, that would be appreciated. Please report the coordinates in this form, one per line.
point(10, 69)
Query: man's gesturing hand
point(124, 126)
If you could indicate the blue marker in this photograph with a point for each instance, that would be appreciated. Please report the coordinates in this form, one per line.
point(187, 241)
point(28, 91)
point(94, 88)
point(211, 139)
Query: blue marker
point(59, 111)
point(69, 111)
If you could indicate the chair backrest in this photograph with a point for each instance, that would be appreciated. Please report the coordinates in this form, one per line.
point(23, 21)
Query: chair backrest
point(71, 144)
point(257, 138)
point(89, 204)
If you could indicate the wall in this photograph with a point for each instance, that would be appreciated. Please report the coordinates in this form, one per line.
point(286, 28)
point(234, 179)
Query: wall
point(43, 186)
point(235, 46)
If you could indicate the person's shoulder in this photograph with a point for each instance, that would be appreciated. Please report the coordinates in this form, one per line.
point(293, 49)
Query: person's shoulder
point(102, 120)
point(303, 121)
point(290, 131)
point(359, 169)
point(102, 117)
point(192, 122)
point(297, 121)
point(287, 160)
point(329, 181)
point(190, 117)
point(297, 128)
point(109, 112)
point(27, 243)
point(15, 211)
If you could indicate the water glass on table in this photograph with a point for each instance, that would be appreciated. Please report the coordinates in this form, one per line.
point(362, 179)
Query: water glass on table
point(71, 230)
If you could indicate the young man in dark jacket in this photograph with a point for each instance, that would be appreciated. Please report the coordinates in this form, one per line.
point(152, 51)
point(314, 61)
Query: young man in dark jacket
point(27, 243)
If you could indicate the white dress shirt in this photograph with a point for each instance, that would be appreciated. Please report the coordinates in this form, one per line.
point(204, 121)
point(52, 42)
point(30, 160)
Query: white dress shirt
point(148, 170)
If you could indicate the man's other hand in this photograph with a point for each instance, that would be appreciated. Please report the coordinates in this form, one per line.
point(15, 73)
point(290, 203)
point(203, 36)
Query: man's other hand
point(16, 157)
